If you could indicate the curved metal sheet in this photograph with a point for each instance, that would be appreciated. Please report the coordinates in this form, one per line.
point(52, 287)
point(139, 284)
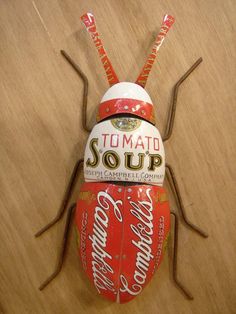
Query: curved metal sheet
point(125, 149)
point(123, 232)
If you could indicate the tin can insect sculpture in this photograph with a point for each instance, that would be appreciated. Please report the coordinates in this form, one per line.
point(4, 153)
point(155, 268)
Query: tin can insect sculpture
point(122, 214)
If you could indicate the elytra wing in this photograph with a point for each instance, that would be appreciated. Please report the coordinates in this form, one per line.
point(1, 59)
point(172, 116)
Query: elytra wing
point(123, 230)
point(99, 220)
point(146, 227)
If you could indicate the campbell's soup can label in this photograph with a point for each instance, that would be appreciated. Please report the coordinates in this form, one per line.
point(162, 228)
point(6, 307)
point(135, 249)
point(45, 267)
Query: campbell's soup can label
point(125, 149)
point(123, 232)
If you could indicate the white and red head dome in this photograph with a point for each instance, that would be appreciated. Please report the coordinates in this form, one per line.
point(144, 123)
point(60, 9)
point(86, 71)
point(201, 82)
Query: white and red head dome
point(126, 97)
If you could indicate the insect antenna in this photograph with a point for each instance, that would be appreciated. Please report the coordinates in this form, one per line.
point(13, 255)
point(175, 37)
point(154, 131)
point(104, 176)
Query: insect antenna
point(167, 22)
point(89, 22)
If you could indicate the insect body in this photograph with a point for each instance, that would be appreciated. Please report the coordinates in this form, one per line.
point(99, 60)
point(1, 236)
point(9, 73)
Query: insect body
point(122, 214)
point(128, 219)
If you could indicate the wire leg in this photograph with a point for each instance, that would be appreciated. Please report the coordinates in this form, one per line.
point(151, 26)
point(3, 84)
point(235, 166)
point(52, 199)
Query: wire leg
point(65, 200)
point(85, 93)
point(174, 186)
point(171, 117)
point(175, 260)
point(70, 216)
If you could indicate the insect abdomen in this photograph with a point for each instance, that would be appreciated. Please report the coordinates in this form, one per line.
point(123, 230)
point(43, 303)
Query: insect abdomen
point(123, 232)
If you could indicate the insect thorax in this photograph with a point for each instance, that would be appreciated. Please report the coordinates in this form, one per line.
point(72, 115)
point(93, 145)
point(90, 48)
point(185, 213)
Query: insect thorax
point(125, 149)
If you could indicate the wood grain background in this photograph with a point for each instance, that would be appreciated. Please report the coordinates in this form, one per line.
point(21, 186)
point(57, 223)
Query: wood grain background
point(41, 137)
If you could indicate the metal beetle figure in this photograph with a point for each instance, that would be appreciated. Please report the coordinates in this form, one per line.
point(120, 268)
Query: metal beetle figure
point(122, 214)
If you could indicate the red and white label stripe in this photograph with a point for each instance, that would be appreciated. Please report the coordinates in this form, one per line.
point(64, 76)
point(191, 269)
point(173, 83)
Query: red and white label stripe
point(167, 22)
point(89, 22)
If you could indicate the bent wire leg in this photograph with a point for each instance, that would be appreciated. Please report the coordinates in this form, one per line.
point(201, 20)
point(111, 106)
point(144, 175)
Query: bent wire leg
point(175, 260)
point(70, 216)
point(65, 199)
point(171, 117)
point(85, 93)
point(174, 186)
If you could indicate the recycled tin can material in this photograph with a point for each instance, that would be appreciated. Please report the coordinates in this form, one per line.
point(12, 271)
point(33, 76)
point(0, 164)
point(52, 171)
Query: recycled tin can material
point(126, 97)
point(125, 149)
point(122, 215)
point(122, 236)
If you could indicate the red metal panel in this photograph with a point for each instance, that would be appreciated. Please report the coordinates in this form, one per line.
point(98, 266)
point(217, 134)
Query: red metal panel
point(147, 223)
point(99, 220)
point(122, 236)
point(126, 105)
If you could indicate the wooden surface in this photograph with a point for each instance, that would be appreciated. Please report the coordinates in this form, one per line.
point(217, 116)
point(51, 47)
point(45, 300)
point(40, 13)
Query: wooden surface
point(41, 138)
